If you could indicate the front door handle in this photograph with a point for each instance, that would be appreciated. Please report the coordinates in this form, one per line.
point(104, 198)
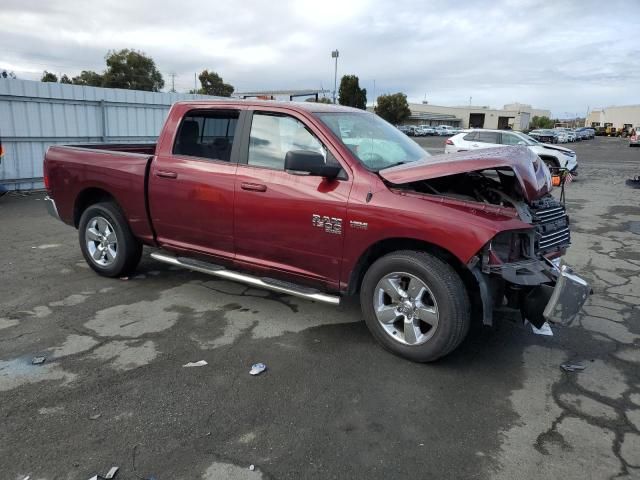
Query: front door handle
point(166, 174)
point(254, 187)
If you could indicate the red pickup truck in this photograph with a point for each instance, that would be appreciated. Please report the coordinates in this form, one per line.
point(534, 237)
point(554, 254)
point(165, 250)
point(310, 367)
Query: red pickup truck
point(320, 201)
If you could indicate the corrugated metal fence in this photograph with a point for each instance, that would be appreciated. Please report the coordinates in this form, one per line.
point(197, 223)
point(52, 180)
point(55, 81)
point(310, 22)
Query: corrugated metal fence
point(34, 115)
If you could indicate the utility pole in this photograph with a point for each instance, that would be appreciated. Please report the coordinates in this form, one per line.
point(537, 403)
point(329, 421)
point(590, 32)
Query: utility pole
point(173, 82)
point(335, 54)
point(374, 94)
point(195, 83)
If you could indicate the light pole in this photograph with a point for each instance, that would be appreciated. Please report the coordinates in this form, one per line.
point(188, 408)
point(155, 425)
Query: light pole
point(335, 54)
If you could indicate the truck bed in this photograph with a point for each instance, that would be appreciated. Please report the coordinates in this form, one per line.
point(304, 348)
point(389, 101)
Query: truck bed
point(81, 171)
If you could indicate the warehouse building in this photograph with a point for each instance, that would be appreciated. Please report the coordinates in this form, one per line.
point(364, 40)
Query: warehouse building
point(514, 116)
point(623, 117)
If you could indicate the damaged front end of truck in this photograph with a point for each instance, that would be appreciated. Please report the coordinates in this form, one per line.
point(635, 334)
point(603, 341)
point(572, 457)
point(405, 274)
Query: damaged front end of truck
point(516, 269)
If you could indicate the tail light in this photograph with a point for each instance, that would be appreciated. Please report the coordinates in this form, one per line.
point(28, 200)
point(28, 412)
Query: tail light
point(448, 142)
point(45, 179)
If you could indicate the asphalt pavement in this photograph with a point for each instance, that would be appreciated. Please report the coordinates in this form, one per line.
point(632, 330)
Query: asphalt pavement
point(332, 403)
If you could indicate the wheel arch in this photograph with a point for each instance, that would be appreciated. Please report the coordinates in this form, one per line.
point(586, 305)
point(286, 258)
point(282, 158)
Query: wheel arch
point(389, 245)
point(552, 158)
point(90, 196)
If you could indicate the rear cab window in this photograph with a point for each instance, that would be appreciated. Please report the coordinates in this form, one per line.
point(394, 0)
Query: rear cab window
point(207, 134)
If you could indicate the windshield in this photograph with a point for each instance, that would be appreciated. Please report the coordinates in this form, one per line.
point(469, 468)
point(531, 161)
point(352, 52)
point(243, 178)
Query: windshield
point(376, 143)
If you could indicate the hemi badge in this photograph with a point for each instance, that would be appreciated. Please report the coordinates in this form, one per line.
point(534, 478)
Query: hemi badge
point(359, 225)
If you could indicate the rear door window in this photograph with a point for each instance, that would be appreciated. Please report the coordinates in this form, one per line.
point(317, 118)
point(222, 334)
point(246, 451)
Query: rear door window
point(207, 134)
point(488, 137)
point(471, 137)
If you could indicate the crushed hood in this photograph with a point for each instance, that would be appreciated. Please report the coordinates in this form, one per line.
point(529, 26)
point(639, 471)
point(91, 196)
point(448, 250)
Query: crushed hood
point(533, 175)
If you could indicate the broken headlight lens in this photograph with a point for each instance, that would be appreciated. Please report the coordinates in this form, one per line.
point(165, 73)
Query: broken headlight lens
point(510, 246)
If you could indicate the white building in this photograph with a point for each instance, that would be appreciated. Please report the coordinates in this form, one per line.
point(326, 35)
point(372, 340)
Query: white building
point(515, 116)
point(622, 117)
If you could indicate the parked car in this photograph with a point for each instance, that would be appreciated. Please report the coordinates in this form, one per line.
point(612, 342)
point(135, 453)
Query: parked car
point(586, 133)
point(634, 138)
point(544, 135)
point(563, 137)
point(444, 130)
point(406, 129)
point(425, 130)
point(273, 195)
point(570, 134)
point(553, 156)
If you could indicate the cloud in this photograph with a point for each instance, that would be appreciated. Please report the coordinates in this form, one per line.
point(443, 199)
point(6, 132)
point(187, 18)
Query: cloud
point(563, 56)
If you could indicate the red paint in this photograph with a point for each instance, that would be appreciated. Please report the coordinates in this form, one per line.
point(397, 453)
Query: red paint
point(261, 219)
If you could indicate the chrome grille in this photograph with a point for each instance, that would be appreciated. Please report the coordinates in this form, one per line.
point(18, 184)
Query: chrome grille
point(551, 223)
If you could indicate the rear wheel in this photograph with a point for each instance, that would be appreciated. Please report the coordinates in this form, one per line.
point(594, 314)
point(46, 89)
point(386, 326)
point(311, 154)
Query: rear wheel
point(106, 241)
point(415, 305)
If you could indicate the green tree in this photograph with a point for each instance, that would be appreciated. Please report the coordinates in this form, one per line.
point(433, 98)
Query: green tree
point(540, 122)
point(65, 79)
point(49, 77)
point(132, 70)
point(393, 108)
point(88, 78)
point(351, 94)
point(212, 84)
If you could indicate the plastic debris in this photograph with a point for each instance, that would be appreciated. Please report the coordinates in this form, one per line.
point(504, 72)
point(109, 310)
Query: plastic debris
point(257, 368)
point(572, 367)
point(252, 467)
point(38, 360)
point(545, 330)
point(95, 417)
point(124, 278)
point(112, 473)
point(199, 363)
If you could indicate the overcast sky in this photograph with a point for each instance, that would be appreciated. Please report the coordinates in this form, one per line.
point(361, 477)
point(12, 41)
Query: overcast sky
point(565, 56)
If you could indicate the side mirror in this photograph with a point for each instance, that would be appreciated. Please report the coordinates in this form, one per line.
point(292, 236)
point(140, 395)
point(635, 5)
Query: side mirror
point(310, 163)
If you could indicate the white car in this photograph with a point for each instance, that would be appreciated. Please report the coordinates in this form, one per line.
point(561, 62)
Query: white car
point(424, 130)
point(563, 137)
point(445, 130)
point(552, 155)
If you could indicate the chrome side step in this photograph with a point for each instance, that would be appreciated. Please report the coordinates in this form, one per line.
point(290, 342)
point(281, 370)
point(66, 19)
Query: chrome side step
point(269, 284)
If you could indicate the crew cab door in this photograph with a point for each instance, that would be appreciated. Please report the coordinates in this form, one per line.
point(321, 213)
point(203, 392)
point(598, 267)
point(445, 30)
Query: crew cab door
point(191, 185)
point(287, 225)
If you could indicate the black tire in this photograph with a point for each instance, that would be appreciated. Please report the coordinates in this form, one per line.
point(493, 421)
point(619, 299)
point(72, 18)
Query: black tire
point(129, 249)
point(447, 289)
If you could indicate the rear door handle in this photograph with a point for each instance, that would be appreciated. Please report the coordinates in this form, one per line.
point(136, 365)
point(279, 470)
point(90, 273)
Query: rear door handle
point(254, 187)
point(166, 174)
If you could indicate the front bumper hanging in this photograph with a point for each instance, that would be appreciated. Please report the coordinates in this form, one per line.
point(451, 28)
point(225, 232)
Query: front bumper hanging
point(568, 297)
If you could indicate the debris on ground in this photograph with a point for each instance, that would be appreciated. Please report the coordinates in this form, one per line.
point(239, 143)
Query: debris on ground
point(112, 473)
point(252, 467)
point(257, 368)
point(124, 278)
point(545, 329)
point(572, 367)
point(95, 417)
point(634, 182)
point(199, 363)
point(38, 360)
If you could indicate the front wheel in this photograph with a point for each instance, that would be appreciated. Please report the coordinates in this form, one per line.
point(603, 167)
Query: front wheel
point(415, 305)
point(106, 240)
